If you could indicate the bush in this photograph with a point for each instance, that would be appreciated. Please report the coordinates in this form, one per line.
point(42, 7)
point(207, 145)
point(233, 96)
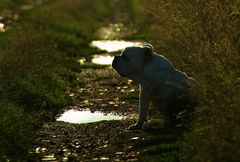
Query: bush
point(24, 78)
point(32, 84)
point(203, 39)
point(16, 132)
point(38, 60)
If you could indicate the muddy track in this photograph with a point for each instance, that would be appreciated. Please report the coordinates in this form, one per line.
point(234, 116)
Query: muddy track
point(100, 141)
point(102, 90)
point(106, 91)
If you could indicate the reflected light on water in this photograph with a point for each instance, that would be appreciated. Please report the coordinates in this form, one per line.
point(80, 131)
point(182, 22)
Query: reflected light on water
point(73, 116)
point(103, 60)
point(2, 27)
point(113, 45)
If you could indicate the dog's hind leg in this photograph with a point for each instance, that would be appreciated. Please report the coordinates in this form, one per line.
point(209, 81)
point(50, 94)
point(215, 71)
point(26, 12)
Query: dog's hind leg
point(169, 118)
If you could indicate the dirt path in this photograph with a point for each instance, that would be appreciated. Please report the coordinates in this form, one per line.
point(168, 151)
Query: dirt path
point(102, 89)
point(101, 141)
point(99, 89)
point(106, 91)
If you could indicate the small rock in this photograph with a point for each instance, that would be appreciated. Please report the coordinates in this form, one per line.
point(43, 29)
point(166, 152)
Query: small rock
point(48, 158)
point(105, 146)
point(119, 153)
point(134, 138)
point(104, 158)
point(65, 159)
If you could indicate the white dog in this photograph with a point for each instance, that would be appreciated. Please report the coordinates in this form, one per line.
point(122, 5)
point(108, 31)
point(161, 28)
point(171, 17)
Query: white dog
point(160, 83)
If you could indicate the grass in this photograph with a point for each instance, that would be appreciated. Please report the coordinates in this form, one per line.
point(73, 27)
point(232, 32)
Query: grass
point(93, 66)
point(29, 92)
point(132, 95)
point(38, 64)
point(17, 127)
point(162, 145)
point(202, 38)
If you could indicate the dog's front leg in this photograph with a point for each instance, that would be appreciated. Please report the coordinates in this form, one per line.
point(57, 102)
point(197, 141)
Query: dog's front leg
point(144, 104)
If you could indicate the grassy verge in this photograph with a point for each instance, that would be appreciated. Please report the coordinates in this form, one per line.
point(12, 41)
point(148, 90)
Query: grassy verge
point(38, 61)
point(202, 38)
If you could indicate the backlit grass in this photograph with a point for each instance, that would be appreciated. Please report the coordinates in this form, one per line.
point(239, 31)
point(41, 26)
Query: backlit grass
point(202, 38)
point(38, 61)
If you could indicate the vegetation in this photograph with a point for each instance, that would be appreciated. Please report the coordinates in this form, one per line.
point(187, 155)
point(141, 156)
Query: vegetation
point(38, 64)
point(37, 67)
point(202, 38)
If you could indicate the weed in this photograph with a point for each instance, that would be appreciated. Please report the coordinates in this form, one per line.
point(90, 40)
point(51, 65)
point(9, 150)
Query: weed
point(202, 38)
point(37, 65)
point(17, 127)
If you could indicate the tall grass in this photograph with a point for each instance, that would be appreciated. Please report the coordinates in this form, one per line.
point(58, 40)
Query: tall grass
point(16, 126)
point(38, 61)
point(203, 39)
point(31, 88)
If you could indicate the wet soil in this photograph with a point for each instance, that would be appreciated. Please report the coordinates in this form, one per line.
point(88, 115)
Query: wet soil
point(101, 141)
point(102, 90)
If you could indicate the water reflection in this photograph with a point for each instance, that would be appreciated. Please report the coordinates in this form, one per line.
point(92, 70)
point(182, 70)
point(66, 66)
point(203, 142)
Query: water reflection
point(2, 27)
point(109, 46)
point(98, 59)
point(102, 59)
point(73, 116)
point(113, 45)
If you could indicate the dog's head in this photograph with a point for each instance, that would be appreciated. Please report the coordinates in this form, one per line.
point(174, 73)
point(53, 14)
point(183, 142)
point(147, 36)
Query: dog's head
point(132, 60)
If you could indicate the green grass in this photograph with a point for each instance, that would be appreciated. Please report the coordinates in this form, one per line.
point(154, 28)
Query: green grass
point(131, 95)
point(162, 145)
point(93, 66)
point(38, 64)
point(17, 127)
point(160, 149)
point(202, 39)
point(31, 86)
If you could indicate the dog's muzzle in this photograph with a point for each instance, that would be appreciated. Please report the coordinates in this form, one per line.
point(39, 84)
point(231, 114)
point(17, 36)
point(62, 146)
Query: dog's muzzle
point(115, 65)
point(115, 60)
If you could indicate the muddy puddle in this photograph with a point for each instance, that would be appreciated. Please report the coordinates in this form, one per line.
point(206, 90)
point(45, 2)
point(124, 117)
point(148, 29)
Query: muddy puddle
point(102, 59)
point(113, 45)
point(80, 117)
point(108, 46)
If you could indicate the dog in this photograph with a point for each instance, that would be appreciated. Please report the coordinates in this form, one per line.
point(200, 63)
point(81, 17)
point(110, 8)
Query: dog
point(167, 88)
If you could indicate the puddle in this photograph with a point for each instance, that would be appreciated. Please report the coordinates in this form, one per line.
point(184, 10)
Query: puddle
point(98, 59)
point(109, 46)
point(113, 45)
point(2, 27)
point(73, 116)
point(102, 59)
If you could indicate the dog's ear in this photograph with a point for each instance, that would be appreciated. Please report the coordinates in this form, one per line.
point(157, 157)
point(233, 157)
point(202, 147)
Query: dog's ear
point(149, 46)
point(148, 51)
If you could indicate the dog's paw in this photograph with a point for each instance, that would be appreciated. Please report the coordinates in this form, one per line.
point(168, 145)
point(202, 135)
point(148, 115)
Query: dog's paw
point(153, 124)
point(135, 127)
